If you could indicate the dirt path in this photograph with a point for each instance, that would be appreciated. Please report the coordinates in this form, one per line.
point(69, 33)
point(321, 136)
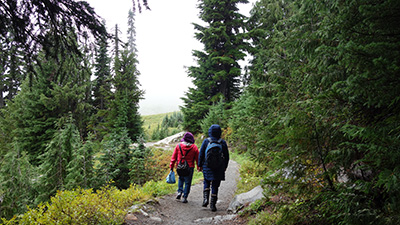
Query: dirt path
point(170, 211)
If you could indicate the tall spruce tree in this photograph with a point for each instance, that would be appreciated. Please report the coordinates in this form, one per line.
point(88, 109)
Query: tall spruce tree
point(102, 89)
point(80, 170)
point(32, 113)
point(102, 82)
point(258, 107)
point(115, 159)
point(57, 90)
point(35, 118)
point(125, 105)
point(123, 115)
point(131, 43)
point(56, 158)
point(218, 72)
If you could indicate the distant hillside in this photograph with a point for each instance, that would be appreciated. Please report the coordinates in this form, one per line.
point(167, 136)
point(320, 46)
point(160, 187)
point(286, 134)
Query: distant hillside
point(151, 121)
point(154, 122)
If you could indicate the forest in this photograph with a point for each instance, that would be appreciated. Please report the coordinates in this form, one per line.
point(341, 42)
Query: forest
point(318, 104)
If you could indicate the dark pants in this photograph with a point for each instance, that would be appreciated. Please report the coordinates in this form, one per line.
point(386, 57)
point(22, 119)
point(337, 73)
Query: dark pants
point(214, 185)
point(187, 180)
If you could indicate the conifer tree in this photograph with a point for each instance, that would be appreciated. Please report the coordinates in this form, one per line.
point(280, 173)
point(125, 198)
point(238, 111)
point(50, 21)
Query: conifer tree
point(80, 170)
point(34, 25)
point(218, 72)
point(13, 66)
point(101, 84)
point(56, 158)
point(131, 43)
point(216, 115)
point(3, 60)
point(317, 109)
point(116, 47)
point(123, 115)
point(32, 114)
point(140, 164)
point(125, 105)
point(16, 182)
point(115, 160)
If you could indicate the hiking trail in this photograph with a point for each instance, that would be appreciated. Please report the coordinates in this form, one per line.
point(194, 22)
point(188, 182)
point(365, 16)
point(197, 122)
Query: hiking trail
point(167, 210)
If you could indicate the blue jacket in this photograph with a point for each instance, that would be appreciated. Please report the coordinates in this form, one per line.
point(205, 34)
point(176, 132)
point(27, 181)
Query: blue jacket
point(215, 134)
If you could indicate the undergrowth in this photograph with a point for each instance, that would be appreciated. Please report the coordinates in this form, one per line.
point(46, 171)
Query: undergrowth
point(250, 172)
point(107, 205)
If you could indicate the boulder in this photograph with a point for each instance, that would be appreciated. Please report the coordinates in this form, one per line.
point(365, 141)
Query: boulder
point(245, 198)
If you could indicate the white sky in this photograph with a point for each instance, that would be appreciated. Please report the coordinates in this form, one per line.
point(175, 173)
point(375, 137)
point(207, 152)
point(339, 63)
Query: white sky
point(165, 40)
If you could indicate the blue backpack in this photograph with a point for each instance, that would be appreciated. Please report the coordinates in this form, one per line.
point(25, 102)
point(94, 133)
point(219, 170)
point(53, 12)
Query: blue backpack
point(214, 155)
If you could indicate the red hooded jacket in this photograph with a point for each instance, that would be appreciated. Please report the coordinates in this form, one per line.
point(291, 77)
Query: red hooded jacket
point(192, 156)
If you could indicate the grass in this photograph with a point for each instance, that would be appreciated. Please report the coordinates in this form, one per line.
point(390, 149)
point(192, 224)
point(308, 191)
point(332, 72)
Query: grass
point(250, 172)
point(150, 122)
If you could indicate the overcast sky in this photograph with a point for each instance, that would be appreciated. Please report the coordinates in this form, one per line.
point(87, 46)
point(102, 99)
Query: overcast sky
point(165, 40)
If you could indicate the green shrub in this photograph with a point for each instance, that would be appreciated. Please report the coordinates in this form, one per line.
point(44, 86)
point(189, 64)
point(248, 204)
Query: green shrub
point(80, 206)
point(251, 173)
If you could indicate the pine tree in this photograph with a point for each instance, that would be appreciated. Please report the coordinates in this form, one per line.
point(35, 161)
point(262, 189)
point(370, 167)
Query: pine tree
point(80, 170)
point(115, 158)
point(58, 155)
point(57, 90)
point(101, 84)
point(218, 72)
point(117, 46)
point(140, 164)
point(123, 115)
point(216, 115)
point(125, 105)
point(131, 43)
point(32, 115)
point(16, 181)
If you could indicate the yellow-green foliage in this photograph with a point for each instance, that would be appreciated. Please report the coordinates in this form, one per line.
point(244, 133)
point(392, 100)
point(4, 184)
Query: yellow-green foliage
point(250, 171)
point(105, 206)
point(265, 218)
point(162, 159)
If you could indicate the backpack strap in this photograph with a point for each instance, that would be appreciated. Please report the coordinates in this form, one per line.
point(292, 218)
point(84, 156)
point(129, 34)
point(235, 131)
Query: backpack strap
point(211, 141)
point(183, 156)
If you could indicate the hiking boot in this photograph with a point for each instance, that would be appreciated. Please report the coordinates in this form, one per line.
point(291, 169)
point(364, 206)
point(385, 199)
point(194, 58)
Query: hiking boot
point(213, 202)
point(184, 200)
point(179, 196)
point(206, 196)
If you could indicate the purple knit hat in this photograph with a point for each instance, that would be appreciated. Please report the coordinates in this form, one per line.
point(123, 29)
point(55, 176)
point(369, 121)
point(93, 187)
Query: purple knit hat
point(188, 137)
